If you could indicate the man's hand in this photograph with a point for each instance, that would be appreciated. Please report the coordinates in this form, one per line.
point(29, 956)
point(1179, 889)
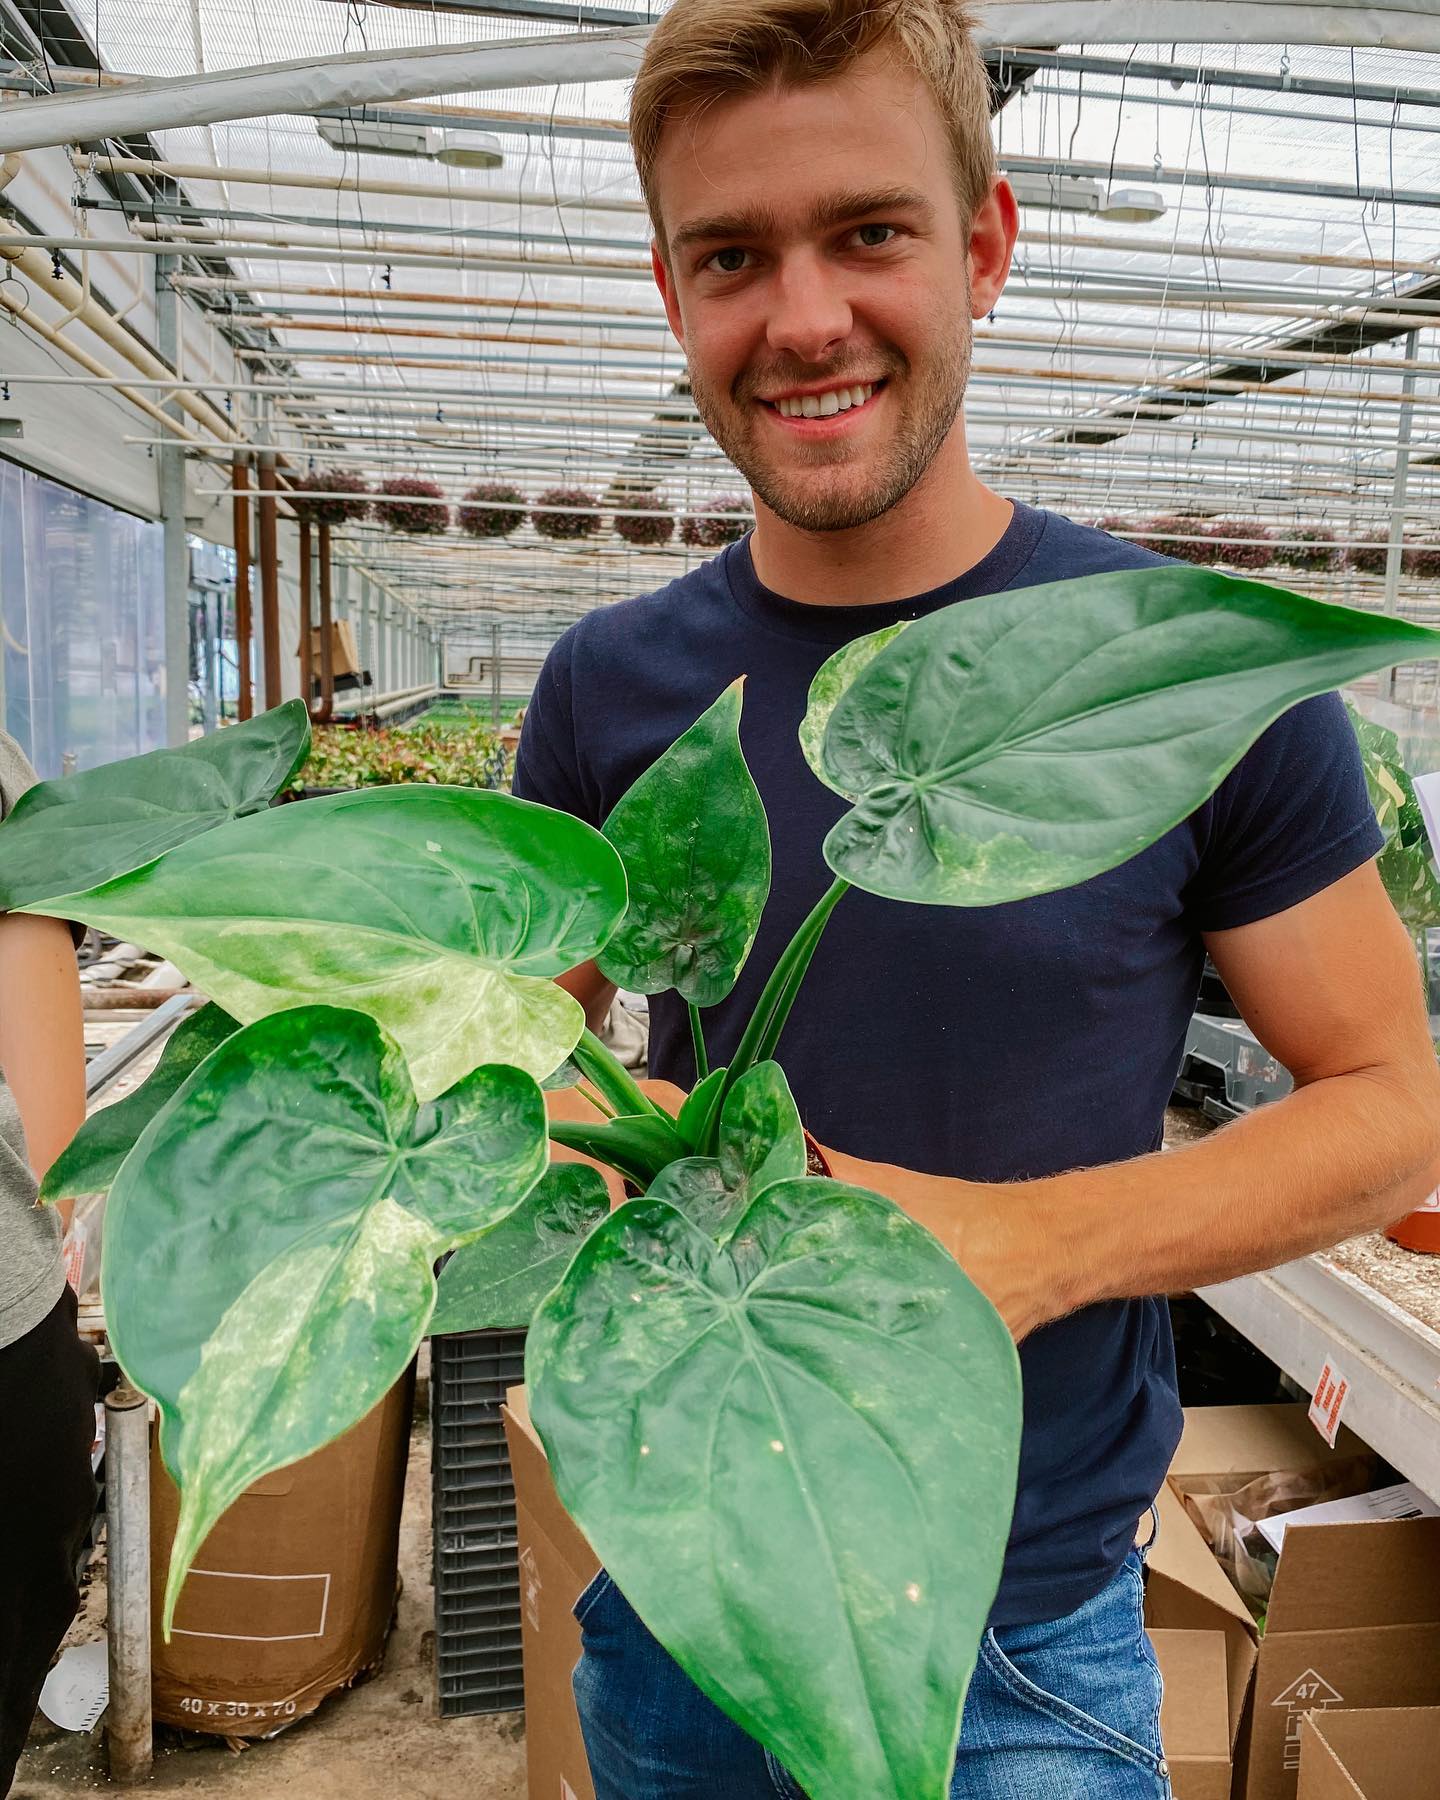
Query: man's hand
point(992, 1231)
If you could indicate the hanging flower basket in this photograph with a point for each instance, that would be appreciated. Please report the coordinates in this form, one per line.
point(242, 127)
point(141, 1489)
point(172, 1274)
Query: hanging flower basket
point(1369, 556)
point(702, 531)
point(1240, 543)
point(400, 511)
point(1179, 536)
point(1316, 555)
point(494, 509)
point(321, 497)
point(644, 521)
point(1422, 561)
point(561, 526)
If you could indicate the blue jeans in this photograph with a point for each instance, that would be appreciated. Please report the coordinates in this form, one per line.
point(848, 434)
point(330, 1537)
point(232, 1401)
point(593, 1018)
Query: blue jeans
point(1064, 1711)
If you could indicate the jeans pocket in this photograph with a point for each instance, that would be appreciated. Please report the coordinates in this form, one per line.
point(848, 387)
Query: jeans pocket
point(593, 1592)
point(1077, 1719)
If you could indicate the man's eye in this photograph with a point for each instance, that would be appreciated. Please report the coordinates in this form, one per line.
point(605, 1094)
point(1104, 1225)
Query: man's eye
point(730, 261)
point(873, 236)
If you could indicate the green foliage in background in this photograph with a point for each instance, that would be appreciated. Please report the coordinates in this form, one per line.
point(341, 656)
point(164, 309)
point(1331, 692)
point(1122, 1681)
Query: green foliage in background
point(452, 751)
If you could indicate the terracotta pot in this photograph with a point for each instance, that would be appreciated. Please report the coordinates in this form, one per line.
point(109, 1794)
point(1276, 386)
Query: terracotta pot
point(1419, 1230)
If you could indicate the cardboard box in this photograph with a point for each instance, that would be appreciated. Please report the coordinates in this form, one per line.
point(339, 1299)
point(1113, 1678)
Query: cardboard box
point(344, 651)
point(1389, 1754)
point(1353, 1618)
point(556, 1566)
point(1204, 1640)
point(293, 1592)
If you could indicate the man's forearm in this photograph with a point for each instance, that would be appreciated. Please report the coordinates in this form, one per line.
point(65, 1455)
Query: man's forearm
point(1340, 1156)
point(1343, 1155)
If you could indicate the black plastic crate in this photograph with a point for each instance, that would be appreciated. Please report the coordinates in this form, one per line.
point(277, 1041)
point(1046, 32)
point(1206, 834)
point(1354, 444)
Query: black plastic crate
point(477, 1578)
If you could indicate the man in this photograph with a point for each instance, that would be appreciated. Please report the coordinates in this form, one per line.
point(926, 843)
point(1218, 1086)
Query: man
point(48, 1378)
point(828, 222)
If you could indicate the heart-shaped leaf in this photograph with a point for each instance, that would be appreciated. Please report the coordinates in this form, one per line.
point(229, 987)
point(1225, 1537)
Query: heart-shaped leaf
point(92, 1159)
point(1021, 742)
point(67, 836)
point(441, 912)
point(796, 1455)
point(1406, 864)
point(692, 835)
point(495, 1282)
point(831, 680)
point(269, 1242)
point(760, 1141)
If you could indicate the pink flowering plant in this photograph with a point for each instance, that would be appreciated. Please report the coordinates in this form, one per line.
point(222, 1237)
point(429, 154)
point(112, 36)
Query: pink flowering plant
point(404, 504)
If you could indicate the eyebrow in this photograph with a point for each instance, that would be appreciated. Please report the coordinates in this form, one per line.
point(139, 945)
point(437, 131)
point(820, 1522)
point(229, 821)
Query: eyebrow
point(833, 210)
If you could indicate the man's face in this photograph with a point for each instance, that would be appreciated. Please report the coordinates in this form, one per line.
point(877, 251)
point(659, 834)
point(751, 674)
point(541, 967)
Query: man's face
point(818, 275)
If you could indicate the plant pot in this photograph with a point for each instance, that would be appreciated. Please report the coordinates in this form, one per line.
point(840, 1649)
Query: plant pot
point(1419, 1230)
point(293, 1593)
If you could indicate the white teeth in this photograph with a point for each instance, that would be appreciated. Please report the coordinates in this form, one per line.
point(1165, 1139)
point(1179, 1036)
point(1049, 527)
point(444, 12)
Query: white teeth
point(822, 406)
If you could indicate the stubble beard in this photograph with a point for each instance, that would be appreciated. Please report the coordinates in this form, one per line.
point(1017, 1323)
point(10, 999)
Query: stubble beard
point(825, 500)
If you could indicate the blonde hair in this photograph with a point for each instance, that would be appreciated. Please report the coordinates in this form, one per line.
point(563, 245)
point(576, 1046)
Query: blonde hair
point(705, 50)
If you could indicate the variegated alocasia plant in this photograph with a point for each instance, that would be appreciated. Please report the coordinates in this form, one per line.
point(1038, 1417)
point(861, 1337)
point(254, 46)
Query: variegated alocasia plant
point(782, 1414)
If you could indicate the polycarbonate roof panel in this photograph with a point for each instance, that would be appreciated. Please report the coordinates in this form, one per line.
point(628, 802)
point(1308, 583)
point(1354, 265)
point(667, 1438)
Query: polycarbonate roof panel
point(503, 325)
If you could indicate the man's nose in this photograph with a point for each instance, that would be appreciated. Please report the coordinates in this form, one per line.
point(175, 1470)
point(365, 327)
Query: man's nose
point(809, 315)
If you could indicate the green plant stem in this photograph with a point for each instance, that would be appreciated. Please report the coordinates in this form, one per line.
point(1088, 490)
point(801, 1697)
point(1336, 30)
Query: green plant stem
point(606, 1072)
point(772, 1009)
point(697, 1037)
point(595, 1097)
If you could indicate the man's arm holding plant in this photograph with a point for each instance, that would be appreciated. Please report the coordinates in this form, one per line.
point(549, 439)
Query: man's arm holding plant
point(1330, 988)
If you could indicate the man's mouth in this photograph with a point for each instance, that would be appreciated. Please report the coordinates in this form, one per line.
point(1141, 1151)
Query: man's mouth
point(825, 403)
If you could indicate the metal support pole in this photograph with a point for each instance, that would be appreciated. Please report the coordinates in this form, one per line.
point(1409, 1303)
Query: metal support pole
point(365, 633)
point(244, 629)
point(269, 581)
point(327, 623)
point(176, 551)
point(127, 1525)
point(1395, 549)
point(307, 615)
point(495, 677)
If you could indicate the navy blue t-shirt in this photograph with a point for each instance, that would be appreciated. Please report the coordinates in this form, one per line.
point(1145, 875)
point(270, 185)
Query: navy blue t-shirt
point(995, 1043)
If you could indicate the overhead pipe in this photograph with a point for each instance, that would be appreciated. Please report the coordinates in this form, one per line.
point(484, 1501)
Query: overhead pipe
point(35, 268)
point(311, 83)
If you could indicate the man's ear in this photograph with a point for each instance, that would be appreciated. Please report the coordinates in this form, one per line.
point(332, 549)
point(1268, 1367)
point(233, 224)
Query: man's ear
point(665, 281)
point(992, 243)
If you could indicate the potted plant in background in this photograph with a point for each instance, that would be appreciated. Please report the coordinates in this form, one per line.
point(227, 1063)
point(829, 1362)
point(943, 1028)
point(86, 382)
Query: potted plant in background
point(565, 515)
point(330, 496)
point(279, 1215)
point(644, 520)
point(725, 521)
point(491, 509)
point(408, 503)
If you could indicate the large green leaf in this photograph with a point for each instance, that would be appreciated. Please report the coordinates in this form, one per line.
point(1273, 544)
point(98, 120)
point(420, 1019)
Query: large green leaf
point(270, 1240)
point(760, 1141)
point(1407, 863)
point(92, 1159)
point(692, 835)
point(1025, 741)
point(64, 837)
point(796, 1456)
point(495, 1282)
point(441, 912)
point(831, 680)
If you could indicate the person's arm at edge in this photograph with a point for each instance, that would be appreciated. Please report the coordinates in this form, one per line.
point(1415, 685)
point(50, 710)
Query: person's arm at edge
point(592, 990)
point(42, 1035)
point(1331, 989)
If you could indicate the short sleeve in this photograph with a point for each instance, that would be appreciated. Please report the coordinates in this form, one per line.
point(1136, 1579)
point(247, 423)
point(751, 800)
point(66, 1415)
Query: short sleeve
point(547, 763)
point(1290, 819)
